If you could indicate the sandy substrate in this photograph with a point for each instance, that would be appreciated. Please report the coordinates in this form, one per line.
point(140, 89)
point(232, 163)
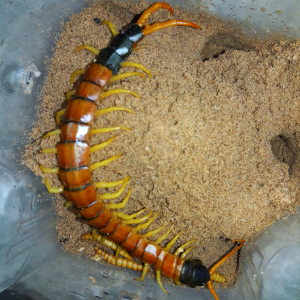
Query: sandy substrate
point(214, 138)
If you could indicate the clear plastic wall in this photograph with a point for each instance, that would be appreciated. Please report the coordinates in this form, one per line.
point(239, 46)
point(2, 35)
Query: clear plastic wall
point(32, 263)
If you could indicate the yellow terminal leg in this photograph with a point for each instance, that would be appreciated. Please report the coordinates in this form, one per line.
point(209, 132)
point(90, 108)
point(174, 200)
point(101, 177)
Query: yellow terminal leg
point(59, 114)
point(172, 242)
point(51, 133)
point(49, 150)
point(102, 145)
point(69, 94)
point(125, 75)
point(49, 170)
point(181, 248)
point(159, 281)
point(185, 253)
point(139, 220)
point(152, 232)
point(111, 109)
point(104, 162)
point(103, 184)
point(92, 49)
point(135, 65)
point(159, 240)
point(145, 225)
point(111, 27)
point(75, 73)
point(145, 269)
point(108, 129)
point(128, 217)
point(117, 194)
point(117, 91)
point(121, 204)
point(51, 189)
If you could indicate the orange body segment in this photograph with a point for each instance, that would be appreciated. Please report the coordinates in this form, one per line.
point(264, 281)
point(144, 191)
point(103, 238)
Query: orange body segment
point(80, 110)
point(169, 265)
point(140, 248)
point(180, 263)
point(73, 154)
point(112, 225)
point(89, 90)
point(91, 211)
point(102, 219)
point(131, 241)
point(151, 253)
point(81, 198)
point(74, 131)
point(77, 177)
point(120, 234)
point(98, 74)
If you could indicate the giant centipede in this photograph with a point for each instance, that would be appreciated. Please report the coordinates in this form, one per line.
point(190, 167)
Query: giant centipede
point(75, 170)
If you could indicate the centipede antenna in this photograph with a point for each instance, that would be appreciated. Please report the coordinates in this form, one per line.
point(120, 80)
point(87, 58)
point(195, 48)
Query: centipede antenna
point(89, 48)
point(121, 204)
point(118, 91)
point(125, 75)
point(111, 109)
point(103, 184)
point(211, 288)
point(217, 277)
point(136, 65)
point(117, 194)
point(147, 13)
point(104, 162)
point(111, 27)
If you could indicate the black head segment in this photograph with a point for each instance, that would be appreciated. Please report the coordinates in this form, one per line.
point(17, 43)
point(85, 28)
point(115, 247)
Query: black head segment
point(194, 273)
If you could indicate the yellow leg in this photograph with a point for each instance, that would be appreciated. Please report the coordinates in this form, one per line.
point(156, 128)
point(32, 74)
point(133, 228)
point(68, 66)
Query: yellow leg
point(59, 114)
point(111, 27)
point(108, 129)
point(172, 242)
point(185, 253)
point(151, 233)
point(118, 252)
point(49, 170)
point(75, 73)
point(163, 236)
point(102, 184)
point(120, 262)
point(51, 189)
point(159, 281)
point(125, 75)
point(128, 217)
point(92, 49)
point(117, 194)
point(139, 220)
point(102, 145)
point(104, 162)
point(68, 204)
point(117, 91)
point(50, 150)
point(146, 266)
point(135, 65)
point(121, 204)
point(181, 248)
point(146, 225)
point(69, 94)
point(51, 133)
point(110, 109)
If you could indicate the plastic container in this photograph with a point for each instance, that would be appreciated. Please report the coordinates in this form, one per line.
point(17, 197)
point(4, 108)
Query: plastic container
point(32, 263)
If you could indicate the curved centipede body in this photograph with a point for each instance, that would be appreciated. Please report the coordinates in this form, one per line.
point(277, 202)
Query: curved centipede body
point(75, 170)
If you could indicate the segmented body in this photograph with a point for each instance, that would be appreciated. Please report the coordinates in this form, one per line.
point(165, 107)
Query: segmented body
point(74, 163)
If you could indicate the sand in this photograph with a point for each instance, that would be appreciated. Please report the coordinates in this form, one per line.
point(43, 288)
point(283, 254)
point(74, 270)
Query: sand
point(214, 138)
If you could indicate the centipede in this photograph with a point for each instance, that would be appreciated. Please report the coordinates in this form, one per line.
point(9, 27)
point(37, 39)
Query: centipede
point(113, 228)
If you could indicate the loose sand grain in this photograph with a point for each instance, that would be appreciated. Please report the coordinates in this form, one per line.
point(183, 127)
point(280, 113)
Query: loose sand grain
point(209, 136)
